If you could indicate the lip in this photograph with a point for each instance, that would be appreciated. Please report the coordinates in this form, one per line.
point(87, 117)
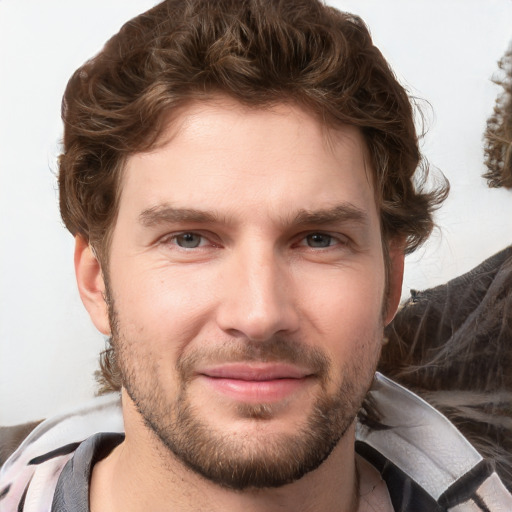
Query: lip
point(255, 383)
point(255, 371)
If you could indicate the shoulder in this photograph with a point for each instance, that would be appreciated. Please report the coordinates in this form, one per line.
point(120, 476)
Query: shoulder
point(451, 345)
point(426, 462)
point(30, 474)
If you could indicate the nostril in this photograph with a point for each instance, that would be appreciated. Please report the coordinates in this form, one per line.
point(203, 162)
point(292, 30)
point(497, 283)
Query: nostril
point(258, 324)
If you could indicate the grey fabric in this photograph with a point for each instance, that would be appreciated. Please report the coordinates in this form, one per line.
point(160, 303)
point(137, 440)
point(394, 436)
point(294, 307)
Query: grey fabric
point(72, 491)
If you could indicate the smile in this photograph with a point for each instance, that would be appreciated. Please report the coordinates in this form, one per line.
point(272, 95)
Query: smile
point(250, 383)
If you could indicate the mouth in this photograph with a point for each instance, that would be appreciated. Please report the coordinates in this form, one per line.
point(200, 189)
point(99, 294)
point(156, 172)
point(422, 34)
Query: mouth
point(256, 383)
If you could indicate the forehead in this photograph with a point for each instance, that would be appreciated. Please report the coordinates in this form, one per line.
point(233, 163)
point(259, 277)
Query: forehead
point(221, 154)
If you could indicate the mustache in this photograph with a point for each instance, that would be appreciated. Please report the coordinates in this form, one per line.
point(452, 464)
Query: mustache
point(275, 350)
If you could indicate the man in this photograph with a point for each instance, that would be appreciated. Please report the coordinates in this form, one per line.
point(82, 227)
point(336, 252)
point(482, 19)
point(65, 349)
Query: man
point(238, 176)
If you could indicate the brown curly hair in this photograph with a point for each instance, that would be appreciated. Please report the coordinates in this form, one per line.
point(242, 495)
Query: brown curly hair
point(498, 134)
point(259, 52)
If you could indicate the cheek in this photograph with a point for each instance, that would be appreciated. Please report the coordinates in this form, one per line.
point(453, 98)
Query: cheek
point(160, 305)
point(345, 309)
point(349, 292)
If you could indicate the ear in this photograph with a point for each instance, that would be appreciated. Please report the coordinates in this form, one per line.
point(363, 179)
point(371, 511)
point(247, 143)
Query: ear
point(395, 277)
point(91, 284)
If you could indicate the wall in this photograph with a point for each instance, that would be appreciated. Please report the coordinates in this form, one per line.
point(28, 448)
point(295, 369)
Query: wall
point(445, 51)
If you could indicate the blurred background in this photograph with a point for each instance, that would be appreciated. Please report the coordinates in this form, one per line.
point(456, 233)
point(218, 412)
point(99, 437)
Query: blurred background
point(445, 53)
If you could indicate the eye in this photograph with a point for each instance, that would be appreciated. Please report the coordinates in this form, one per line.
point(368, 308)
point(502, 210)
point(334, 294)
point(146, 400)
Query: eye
point(319, 240)
point(188, 240)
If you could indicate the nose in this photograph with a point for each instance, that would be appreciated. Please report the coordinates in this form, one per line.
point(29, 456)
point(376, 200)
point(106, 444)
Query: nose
point(258, 299)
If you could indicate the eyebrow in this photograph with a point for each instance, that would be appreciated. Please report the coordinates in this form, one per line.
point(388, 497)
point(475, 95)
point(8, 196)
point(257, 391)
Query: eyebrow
point(163, 214)
point(345, 212)
point(166, 214)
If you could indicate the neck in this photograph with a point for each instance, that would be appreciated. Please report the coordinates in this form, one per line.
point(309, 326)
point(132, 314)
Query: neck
point(142, 474)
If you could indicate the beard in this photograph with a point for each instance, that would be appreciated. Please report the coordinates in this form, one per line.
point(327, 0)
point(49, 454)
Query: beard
point(256, 458)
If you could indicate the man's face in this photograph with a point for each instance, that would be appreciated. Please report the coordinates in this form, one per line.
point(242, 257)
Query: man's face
point(247, 288)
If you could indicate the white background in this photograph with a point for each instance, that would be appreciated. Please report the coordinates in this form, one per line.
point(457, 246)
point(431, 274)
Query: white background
point(444, 51)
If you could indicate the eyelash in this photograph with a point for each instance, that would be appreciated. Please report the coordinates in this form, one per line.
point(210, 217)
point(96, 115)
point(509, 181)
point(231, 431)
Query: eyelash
point(172, 240)
point(339, 240)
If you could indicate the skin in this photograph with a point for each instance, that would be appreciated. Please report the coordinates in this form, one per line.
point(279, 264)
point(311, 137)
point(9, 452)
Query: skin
point(287, 246)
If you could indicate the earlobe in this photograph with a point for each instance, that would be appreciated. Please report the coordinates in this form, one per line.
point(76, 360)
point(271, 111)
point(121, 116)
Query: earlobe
point(91, 284)
point(395, 278)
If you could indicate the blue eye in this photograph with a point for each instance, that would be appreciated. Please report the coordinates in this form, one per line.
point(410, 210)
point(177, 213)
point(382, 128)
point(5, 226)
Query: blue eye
point(319, 240)
point(188, 240)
